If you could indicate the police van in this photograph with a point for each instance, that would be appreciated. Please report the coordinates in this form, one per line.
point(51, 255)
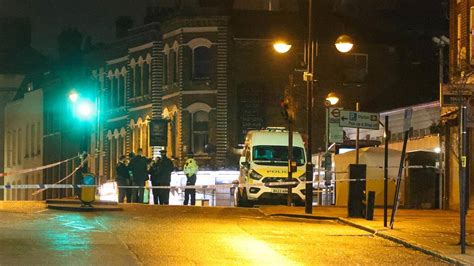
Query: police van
point(264, 163)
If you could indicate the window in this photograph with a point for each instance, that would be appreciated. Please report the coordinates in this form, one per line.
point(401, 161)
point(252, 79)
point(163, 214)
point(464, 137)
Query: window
point(19, 146)
point(165, 69)
point(132, 83)
point(174, 66)
point(200, 131)
point(9, 148)
point(14, 148)
point(121, 91)
point(27, 141)
point(38, 138)
point(138, 80)
point(33, 139)
point(146, 78)
point(201, 62)
point(114, 92)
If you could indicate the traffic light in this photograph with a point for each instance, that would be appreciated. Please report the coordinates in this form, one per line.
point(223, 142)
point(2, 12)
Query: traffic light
point(286, 105)
point(83, 108)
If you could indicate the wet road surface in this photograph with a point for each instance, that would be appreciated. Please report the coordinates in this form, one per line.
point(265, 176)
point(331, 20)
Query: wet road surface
point(173, 235)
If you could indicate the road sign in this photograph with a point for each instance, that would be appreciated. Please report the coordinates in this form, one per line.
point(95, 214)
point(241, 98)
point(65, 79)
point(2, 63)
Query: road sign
point(454, 94)
point(336, 134)
point(407, 119)
point(359, 120)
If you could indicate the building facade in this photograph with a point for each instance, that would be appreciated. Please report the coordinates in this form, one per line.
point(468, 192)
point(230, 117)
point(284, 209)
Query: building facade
point(24, 144)
point(194, 71)
point(461, 52)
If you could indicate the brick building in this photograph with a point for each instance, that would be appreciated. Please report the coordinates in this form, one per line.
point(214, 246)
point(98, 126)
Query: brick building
point(195, 70)
point(461, 52)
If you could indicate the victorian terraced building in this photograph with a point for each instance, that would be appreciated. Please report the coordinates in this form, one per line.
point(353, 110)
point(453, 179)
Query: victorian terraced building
point(187, 66)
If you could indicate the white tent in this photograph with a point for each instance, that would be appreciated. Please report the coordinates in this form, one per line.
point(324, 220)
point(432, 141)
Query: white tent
point(373, 157)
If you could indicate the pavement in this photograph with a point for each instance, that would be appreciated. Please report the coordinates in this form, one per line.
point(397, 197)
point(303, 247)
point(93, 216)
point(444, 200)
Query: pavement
point(434, 232)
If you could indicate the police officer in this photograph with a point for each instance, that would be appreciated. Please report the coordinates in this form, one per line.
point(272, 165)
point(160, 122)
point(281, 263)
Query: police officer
point(139, 168)
point(154, 172)
point(190, 170)
point(123, 179)
point(165, 168)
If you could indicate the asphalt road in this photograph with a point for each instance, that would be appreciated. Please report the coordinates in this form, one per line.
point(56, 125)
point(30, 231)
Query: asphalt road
point(174, 235)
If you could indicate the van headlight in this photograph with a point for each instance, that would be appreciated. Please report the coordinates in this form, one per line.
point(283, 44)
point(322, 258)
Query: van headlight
point(302, 177)
point(255, 175)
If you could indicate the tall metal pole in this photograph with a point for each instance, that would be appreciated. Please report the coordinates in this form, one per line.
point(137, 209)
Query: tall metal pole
point(441, 152)
point(290, 159)
point(462, 175)
point(357, 137)
point(309, 107)
point(385, 172)
point(327, 179)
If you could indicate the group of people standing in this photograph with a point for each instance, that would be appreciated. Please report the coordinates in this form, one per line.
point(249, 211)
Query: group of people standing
point(140, 169)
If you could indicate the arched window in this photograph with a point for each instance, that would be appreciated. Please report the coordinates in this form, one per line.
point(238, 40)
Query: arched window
point(114, 92)
point(146, 78)
point(174, 66)
point(200, 131)
point(138, 80)
point(201, 62)
point(165, 69)
point(121, 90)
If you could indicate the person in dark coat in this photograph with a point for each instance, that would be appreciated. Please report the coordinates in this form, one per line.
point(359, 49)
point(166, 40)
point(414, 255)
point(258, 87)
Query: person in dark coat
point(165, 168)
point(154, 169)
point(123, 179)
point(139, 168)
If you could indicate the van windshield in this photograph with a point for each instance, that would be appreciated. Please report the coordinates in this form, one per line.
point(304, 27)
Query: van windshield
point(276, 155)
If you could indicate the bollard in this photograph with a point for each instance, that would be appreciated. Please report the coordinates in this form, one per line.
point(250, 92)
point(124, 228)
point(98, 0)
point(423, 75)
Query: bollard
point(87, 195)
point(369, 213)
point(355, 206)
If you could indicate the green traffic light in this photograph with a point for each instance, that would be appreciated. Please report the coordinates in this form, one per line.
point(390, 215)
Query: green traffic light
point(84, 109)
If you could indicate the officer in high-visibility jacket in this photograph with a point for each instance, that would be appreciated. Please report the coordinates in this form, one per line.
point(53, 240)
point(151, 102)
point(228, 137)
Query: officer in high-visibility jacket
point(190, 170)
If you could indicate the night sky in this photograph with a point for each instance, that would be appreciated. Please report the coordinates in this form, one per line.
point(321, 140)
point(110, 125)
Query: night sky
point(95, 18)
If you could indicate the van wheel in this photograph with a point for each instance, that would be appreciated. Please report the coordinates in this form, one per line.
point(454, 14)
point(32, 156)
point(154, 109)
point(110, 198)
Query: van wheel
point(237, 198)
point(245, 200)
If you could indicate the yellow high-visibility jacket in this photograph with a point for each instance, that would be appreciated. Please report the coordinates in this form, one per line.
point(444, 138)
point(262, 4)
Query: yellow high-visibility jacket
point(190, 167)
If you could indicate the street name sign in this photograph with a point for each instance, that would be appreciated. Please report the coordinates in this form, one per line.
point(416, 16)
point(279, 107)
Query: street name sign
point(359, 120)
point(407, 119)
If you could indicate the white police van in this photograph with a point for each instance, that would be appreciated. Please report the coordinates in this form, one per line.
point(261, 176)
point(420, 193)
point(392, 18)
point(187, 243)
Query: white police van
point(264, 163)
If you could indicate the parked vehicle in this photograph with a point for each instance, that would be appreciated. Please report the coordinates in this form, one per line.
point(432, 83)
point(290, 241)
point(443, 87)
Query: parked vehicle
point(264, 163)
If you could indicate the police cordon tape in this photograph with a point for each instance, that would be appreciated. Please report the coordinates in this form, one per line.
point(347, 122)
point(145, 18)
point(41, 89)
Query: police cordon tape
point(269, 185)
point(39, 168)
point(61, 180)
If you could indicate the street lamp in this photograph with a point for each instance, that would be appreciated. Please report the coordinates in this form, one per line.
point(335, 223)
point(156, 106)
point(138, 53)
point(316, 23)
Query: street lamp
point(281, 47)
point(343, 44)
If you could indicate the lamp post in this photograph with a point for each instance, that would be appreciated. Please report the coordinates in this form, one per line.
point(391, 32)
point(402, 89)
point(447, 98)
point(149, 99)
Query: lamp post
point(343, 44)
point(331, 100)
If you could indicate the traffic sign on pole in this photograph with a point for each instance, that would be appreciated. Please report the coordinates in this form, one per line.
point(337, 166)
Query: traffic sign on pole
point(359, 120)
point(336, 135)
